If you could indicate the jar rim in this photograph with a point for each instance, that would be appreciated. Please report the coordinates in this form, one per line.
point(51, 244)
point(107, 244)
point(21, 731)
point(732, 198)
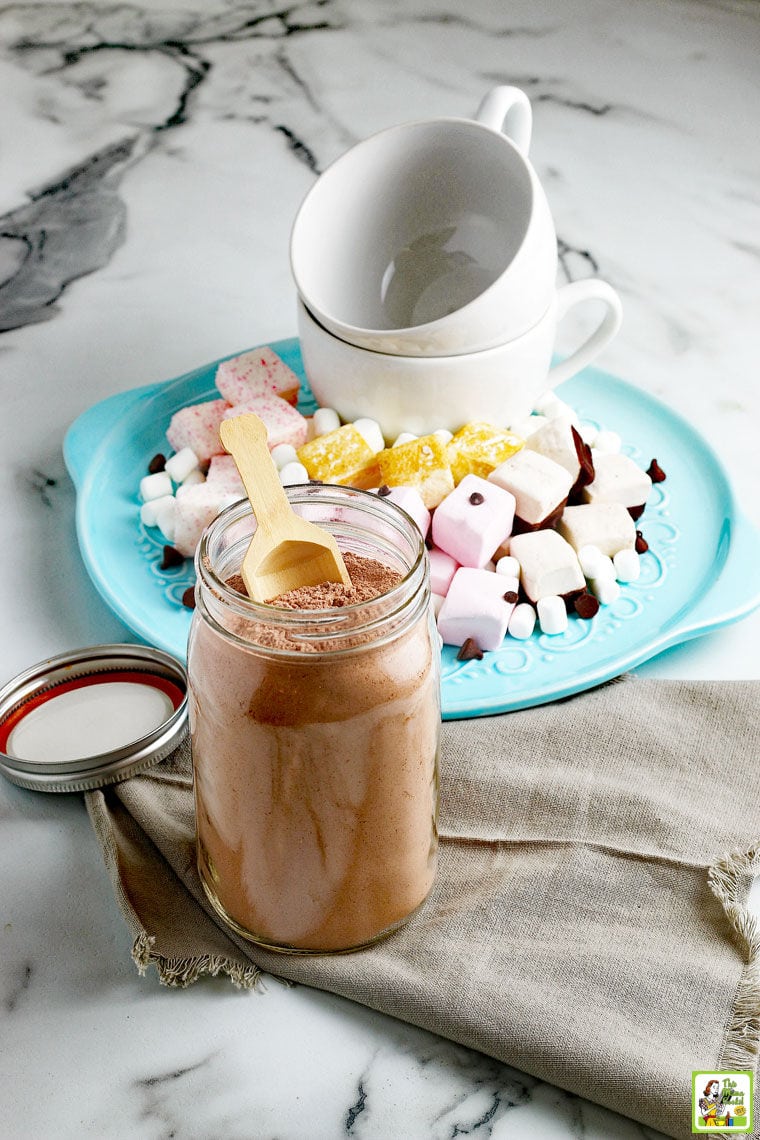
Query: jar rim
point(307, 620)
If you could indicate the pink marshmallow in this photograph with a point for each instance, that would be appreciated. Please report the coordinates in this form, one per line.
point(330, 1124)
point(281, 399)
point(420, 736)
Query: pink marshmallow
point(257, 373)
point(197, 506)
point(410, 500)
point(475, 607)
point(442, 569)
point(224, 476)
point(283, 422)
point(473, 520)
point(197, 427)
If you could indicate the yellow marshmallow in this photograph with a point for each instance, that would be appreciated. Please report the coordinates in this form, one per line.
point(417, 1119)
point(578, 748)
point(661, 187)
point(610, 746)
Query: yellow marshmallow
point(479, 448)
point(341, 456)
point(421, 463)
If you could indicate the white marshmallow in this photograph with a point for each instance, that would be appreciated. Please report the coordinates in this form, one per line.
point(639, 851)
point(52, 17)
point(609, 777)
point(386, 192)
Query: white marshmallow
point(370, 432)
point(166, 518)
point(293, 473)
point(155, 486)
point(608, 442)
point(552, 615)
point(194, 477)
point(555, 441)
point(523, 621)
point(508, 565)
point(607, 526)
point(548, 564)
point(607, 590)
point(404, 437)
point(538, 484)
point(149, 510)
point(325, 420)
point(617, 479)
point(627, 565)
point(282, 454)
point(179, 465)
point(550, 405)
point(590, 558)
point(604, 569)
point(525, 428)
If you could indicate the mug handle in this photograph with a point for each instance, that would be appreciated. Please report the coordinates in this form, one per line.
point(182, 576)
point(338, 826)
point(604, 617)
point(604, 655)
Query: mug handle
point(568, 296)
point(508, 111)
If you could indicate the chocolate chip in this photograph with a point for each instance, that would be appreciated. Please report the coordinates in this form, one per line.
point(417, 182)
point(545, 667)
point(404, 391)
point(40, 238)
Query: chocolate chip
point(476, 498)
point(470, 651)
point(585, 460)
point(511, 596)
point(655, 472)
point(188, 598)
point(157, 463)
point(641, 543)
point(384, 490)
point(586, 605)
point(171, 557)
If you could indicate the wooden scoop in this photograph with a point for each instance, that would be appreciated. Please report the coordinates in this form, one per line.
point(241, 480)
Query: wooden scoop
point(286, 551)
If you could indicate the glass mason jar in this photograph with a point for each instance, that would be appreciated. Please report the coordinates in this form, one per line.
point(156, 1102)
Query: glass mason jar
point(315, 738)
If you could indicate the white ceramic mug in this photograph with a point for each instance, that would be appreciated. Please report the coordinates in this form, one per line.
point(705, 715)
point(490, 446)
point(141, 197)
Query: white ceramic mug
point(421, 393)
point(430, 238)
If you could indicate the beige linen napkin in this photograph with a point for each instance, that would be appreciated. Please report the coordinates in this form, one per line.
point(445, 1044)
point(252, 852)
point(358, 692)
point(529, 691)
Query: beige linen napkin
point(588, 925)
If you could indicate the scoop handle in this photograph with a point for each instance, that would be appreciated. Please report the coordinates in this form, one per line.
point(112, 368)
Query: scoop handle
point(245, 437)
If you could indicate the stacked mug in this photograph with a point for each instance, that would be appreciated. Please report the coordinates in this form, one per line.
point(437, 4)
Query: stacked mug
point(425, 260)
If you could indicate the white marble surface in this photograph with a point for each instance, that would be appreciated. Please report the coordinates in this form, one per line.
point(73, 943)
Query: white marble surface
point(151, 160)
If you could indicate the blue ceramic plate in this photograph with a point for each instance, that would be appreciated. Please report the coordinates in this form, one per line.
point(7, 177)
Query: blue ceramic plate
point(697, 575)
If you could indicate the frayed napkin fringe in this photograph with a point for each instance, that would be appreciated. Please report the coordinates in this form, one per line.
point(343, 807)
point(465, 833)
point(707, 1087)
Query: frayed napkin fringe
point(728, 879)
point(183, 972)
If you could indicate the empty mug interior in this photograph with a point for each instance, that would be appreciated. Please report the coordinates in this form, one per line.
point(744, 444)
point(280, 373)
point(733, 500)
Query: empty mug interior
point(411, 225)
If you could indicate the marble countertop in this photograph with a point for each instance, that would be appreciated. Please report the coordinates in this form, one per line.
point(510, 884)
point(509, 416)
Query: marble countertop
point(153, 158)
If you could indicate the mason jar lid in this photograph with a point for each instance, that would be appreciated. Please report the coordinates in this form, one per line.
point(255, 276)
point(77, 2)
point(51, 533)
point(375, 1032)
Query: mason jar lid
point(91, 717)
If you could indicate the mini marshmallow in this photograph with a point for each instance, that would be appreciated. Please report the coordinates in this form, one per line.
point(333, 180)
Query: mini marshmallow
point(525, 428)
point(179, 465)
point(627, 565)
point(508, 566)
point(195, 476)
point(590, 558)
point(407, 437)
point(472, 521)
point(149, 510)
point(442, 569)
point(548, 564)
point(608, 442)
point(606, 590)
point(540, 486)
point(260, 372)
point(618, 479)
point(475, 607)
point(604, 569)
point(155, 486)
point(283, 453)
point(283, 422)
point(324, 420)
point(293, 473)
point(552, 615)
point(197, 427)
point(607, 526)
point(522, 622)
point(370, 431)
point(409, 500)
point(166, 517)
point(551, 406)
